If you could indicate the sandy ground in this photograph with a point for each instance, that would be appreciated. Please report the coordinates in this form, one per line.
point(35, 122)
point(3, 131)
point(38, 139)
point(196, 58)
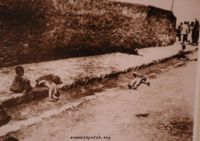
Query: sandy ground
point(161, 112)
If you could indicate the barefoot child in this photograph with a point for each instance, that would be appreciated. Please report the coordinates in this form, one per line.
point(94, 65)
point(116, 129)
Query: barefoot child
point(50, 81)
point(20, 83)
point(136, 82)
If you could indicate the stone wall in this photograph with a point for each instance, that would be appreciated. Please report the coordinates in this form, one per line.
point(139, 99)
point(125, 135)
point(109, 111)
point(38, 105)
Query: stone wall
point(34, 31)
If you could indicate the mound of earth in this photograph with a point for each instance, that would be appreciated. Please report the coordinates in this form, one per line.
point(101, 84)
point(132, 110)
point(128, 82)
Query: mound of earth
point(34, 31)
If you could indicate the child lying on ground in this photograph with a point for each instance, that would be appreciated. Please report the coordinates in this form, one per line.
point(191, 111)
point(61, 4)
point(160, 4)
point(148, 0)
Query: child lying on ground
point(50, 81)
point(137, 81)
point(20, 83)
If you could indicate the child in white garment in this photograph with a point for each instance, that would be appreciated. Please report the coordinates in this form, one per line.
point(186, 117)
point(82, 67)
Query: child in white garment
point(137, 81)
point(50, 81)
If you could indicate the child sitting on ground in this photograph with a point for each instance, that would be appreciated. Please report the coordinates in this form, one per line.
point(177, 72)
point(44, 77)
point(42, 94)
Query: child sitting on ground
point(137, 81)
point(181, 54)
point(50, 81)
point(20, 83)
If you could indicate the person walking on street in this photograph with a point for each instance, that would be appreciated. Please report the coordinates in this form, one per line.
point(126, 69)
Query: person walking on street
point(184, 32)
point(190, 33)
point(179, 31)
point(195, 33)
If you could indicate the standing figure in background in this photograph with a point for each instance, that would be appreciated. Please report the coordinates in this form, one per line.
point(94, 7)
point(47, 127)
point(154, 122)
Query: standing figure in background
point(184, 32)
point(187, 35)
point(179, 31)
point(195, 33)
point(190, 33)
point(20, 83)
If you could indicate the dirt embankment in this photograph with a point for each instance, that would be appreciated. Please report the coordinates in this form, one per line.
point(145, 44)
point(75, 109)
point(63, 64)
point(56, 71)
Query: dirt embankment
point(33, 31)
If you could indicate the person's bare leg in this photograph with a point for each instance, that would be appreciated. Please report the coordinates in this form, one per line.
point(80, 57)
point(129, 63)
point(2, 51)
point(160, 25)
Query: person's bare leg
point(130, 86)
point(146, 83)
point(137, 84)
point(27, 86)
point(50, 93)
point(55, 91)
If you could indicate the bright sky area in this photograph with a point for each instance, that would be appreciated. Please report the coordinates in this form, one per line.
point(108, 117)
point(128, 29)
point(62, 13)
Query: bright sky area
point(182, 9)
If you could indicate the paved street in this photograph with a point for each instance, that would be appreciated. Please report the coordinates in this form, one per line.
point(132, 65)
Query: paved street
point(161, 112)
point(92, 66)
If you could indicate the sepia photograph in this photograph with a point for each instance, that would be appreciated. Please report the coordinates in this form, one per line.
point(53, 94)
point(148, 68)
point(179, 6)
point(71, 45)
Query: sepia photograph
point(99, 70)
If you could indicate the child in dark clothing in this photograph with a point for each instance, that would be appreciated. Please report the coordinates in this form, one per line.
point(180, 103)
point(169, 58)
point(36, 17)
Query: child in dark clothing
point(181, 54)
point(20, 83)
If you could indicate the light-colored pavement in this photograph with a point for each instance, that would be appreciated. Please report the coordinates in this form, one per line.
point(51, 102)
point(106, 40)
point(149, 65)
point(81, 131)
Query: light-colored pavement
point(93, 66)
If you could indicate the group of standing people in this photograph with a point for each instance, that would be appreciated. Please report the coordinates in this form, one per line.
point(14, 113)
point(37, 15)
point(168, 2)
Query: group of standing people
point(188, 32)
